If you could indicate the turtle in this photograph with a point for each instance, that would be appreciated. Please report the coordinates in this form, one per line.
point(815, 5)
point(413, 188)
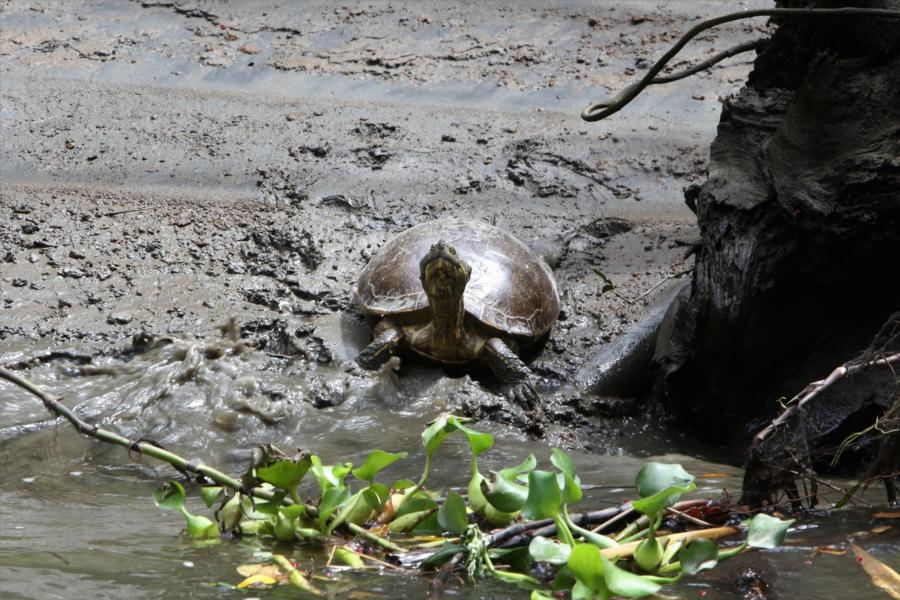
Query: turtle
point(459, 291)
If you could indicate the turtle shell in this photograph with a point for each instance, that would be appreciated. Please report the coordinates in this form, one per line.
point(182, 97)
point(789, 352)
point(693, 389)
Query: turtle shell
point(511, 288)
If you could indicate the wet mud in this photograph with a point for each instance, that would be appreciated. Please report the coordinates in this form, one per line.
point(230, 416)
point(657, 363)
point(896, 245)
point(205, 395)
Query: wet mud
point(169, 166)
point(189, 191)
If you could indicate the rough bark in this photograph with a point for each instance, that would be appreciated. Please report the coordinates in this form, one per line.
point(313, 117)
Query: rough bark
point(800, 226)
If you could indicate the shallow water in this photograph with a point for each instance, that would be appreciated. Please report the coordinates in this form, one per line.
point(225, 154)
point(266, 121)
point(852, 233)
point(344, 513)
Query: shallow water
point(79, 520)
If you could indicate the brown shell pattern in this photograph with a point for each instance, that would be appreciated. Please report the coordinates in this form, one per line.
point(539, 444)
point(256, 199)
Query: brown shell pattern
point(511, 288)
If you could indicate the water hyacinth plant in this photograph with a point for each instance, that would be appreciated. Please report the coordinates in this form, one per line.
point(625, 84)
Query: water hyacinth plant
point(540, 546)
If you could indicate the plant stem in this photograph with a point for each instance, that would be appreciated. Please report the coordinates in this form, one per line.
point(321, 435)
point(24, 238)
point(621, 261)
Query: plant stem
point(375, 539)
point(56, 407)
point(631, 528)
point(599, 540)
point(562, 530)
point(636, 536)
point(296, 577)
point(723, 555)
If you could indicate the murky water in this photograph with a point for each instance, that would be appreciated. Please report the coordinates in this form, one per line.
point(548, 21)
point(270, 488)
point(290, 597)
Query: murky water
point(79, 521)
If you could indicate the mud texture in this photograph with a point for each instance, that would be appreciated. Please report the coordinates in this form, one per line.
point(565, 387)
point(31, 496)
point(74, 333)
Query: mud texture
point(800, 226)
point(167, 166)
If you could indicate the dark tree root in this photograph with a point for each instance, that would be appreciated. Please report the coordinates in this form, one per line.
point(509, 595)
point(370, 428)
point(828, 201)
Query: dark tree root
point(787, 450)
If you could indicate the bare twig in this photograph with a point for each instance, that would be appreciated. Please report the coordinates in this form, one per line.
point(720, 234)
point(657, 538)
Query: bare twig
point(601, 110)
point(815, 388)
point(57, 408)
point(674, 275)
point(712, 60)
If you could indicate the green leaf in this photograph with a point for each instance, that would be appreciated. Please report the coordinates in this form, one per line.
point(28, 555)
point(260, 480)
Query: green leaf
point(544, 497)
point(648, 554)
point(653, 505)
point(375, 462)
point(293, 511)
point(571, 488)
point(436, 432)
point(511, 473)
point(563, 462)
point(767, 532)
point(586, 566)
point(201, 528)
point(701, 554)
point(504, 494)
point(445, 553)
point(417, 504)
point(582, 592)
point(655, 477)
point(356, 510)
point(285, 473)
point(429, 526)
point(452, 514)
point(231, 514)
point(376, 495)
point(660, 485)
point(516, 559)
point(409, 521)
point(332, 499)
point(549, 551)
point(479, 442)
point(539, 595)
point(253, 527)
point(567, 477)
point(210, 494)
point(169, 496)
point(623, 583)
point(329, 475)
point(284, 528)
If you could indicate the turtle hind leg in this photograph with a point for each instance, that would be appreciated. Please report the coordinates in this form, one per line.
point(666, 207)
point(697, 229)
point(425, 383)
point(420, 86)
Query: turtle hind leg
point(384, 346)
point(510, 369)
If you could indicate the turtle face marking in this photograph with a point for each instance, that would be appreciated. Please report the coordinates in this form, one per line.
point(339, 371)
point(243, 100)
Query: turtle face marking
point(443, 273)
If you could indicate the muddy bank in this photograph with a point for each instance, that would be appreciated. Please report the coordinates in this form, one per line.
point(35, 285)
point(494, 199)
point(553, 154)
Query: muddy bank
point(167, 167)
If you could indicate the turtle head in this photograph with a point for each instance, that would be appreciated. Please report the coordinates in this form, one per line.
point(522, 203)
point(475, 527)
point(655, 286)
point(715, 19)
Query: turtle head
point(443, 273)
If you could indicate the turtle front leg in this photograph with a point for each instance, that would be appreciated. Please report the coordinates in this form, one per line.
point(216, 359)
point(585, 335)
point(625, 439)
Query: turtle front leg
point(510, 369)
point(382, 347)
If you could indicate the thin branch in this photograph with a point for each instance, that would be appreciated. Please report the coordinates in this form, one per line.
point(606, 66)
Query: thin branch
point(674, 275)
point(815, 388)
point(601, 110)
point(57, 408)
point(709, 62)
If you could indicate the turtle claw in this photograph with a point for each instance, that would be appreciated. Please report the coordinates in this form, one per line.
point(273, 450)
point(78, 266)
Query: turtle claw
point(523, 394)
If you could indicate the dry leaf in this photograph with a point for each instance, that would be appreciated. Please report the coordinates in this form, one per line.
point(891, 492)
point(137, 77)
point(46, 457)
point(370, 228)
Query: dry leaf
point(833, 550)
point(880, 528)
point(713, 475)
point(887, 515)
point(258, 580)
point(249, 49)
point(269, 570)
point(882, 575)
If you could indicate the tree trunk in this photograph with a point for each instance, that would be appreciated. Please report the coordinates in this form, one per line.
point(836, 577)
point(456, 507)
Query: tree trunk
point(800, 226)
